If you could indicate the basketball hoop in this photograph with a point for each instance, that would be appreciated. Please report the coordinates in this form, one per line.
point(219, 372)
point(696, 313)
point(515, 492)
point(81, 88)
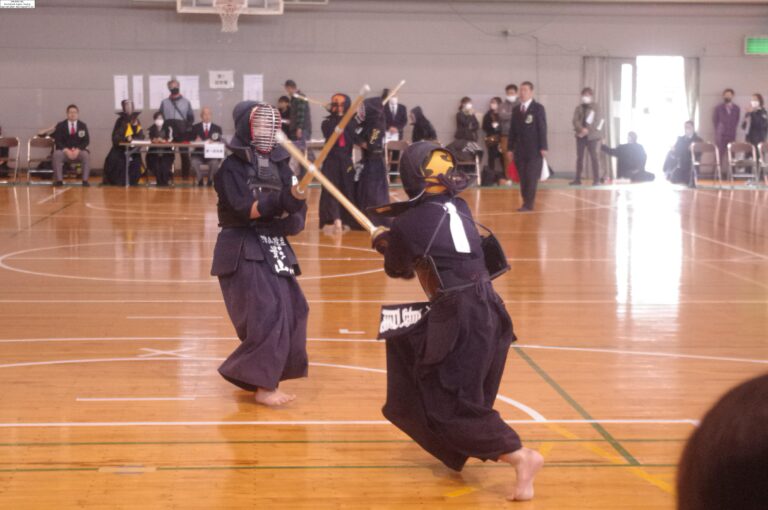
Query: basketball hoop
point(229, 11)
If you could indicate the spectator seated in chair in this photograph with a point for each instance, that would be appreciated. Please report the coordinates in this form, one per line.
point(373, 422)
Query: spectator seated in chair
point(203, 132)
point(72, 139)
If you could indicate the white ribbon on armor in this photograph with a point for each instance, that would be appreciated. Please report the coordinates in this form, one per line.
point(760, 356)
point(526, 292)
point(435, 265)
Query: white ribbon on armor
point(459, 235)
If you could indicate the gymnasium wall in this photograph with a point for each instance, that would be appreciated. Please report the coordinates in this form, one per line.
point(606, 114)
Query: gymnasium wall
point(67, 51)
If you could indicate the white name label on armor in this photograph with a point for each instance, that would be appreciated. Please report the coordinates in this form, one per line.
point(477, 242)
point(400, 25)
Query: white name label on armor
point(276, 254)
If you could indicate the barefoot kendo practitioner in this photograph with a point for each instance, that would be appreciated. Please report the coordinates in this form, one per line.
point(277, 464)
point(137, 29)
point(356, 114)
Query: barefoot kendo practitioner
point(254, 262)
point(445, 358)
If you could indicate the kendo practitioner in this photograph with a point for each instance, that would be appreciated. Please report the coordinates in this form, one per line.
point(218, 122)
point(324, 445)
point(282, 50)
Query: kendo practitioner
point(159, 160)
point(253, 260)
point(372, 186)
point(127, 128)
point(445, 358)
point(678, 166)
point(338, 168)
point(630, 160)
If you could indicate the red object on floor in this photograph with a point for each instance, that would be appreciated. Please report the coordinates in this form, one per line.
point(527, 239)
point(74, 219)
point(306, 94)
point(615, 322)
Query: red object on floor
point(512, 172)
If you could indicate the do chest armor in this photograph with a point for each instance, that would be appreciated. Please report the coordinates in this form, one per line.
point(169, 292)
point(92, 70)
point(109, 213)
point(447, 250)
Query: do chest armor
point(264, 176)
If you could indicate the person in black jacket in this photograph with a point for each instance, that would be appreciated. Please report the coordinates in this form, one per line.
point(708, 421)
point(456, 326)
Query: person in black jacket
point(395, 115)
point(528, 144)
point(422, 127)
point(756, 122)
point(254, 261)
point(203, 132)
point(72, 139)
point(467, 125)
point(630, 160)
point(492, 130)
point(679, 163)
point(127, 128)
point(160, 161)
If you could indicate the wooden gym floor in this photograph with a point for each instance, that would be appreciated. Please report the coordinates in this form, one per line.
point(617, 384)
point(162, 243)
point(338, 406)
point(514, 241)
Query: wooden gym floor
point(636, 307)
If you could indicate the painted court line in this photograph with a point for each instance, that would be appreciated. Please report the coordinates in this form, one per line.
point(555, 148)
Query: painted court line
point(303, 423)
point(175, 317)
point(135, 399)
point(55, 194)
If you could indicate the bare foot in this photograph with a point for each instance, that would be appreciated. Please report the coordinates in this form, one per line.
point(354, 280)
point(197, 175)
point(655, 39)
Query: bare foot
point(337, 228)
point(273, 397)
point(527, 464)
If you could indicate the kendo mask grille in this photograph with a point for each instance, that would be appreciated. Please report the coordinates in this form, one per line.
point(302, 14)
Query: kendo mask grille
point(265, 123)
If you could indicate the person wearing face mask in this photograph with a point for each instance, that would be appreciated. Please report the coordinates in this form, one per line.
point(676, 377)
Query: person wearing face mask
point(258, 208)
point(726, 121)
point(177, 112)
point(756, 122)
point(467, 125)
point(587, 126)
point(679, 163)
point(160, 160)
point(127, 128)
point(506, 109)
point(492, 130)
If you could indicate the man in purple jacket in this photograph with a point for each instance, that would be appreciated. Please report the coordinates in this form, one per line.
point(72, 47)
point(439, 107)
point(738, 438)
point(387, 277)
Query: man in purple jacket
point(726, 120)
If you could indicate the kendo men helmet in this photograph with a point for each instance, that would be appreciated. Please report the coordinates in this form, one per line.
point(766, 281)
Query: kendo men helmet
point(257, 124)
point(427, 167)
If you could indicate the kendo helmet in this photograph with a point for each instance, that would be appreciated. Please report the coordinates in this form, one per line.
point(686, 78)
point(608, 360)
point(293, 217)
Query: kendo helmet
point(257, 124)
point(429, 168)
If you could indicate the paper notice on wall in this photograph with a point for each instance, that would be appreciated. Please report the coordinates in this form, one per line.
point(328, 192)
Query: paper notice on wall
point(221, 79)
point(253, 87)
point(138, 91)
point(121, 90)
point(190, 88)
point(158, 89)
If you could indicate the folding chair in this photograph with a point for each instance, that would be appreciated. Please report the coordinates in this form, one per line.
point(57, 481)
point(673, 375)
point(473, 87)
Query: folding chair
point(471, 167)
point(740, 166)
point(11, 159)
point(392, 160)
point(698, 152)
point(43, 147)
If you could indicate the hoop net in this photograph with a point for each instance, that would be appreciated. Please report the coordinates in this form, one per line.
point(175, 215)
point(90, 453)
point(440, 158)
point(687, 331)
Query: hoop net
point(229, 11)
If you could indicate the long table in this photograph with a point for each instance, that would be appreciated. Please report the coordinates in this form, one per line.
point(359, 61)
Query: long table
point(136, 146)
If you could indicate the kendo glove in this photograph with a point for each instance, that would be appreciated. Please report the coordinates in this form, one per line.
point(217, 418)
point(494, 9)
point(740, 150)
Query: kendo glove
point(289, 202)
point(269, 205)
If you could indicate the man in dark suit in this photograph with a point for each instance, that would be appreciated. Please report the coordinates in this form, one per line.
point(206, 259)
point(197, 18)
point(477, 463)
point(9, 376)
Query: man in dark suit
point(395, 115)
point(396, 118)
point(528, 143)
point(71, 138)
point(202, 132)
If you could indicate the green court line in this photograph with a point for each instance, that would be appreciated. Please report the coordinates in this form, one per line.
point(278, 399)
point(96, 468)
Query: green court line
point(549, 465)
point(362, 441)
point(579, 409)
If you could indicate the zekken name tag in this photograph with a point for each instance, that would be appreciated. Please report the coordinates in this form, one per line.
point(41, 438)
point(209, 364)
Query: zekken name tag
point(397, 320)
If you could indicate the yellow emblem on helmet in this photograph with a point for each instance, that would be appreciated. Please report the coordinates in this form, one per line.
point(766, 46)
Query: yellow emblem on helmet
point(439, 162)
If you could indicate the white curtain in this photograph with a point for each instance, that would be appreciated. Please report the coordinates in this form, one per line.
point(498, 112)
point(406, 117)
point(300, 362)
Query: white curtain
point(692, 88)
point(603, 76)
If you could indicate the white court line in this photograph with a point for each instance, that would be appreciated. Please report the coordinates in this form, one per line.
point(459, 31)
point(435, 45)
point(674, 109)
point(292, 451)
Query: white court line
point(514, 403)
point(134, 399)
point(173, 317)
point(303, 423)
point(644, 353)
point(54, 195)
point(533, 413)
point(345, 331)
point(349, 340)
point(384, 301)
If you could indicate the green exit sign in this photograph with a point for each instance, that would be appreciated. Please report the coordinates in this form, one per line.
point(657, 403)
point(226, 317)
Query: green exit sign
point(756, 45)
